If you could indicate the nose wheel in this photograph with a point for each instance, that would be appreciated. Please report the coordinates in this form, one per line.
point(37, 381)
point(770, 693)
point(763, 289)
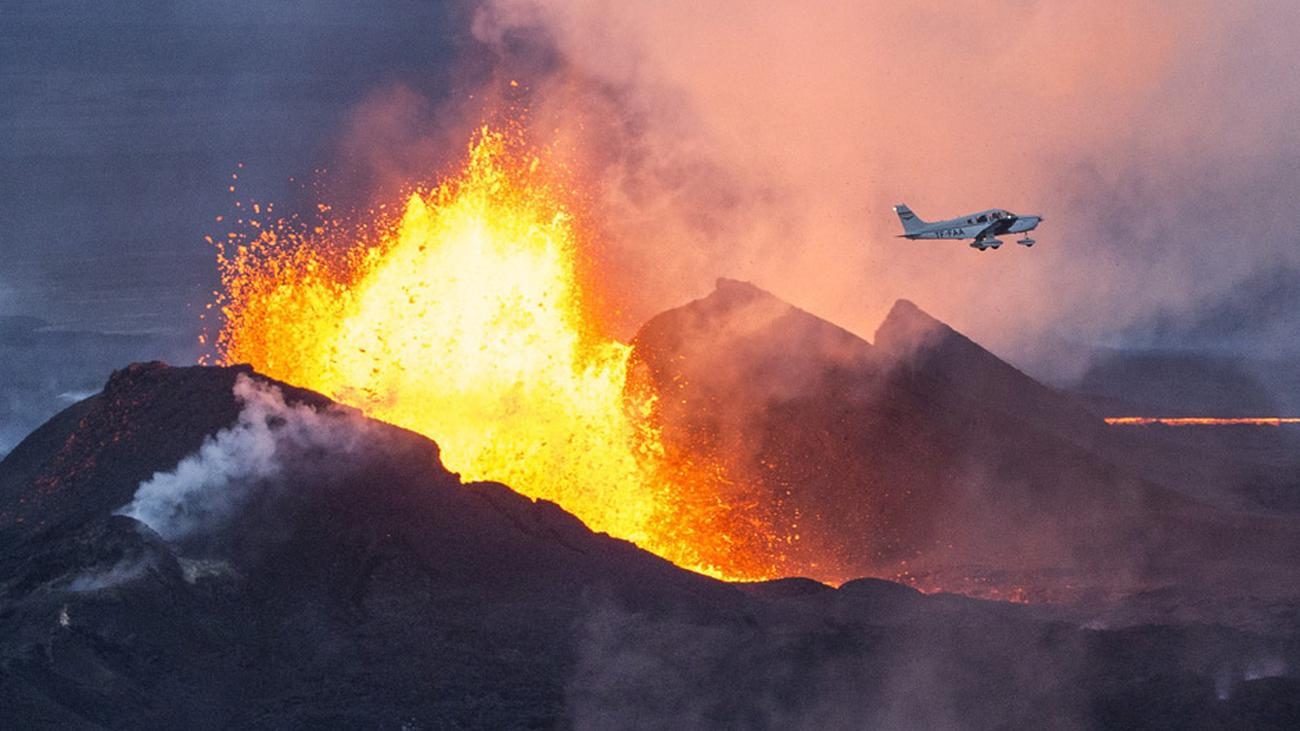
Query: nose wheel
point(1026, 241)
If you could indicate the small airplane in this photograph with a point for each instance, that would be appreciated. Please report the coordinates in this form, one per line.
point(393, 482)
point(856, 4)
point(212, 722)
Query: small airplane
point(983, 227)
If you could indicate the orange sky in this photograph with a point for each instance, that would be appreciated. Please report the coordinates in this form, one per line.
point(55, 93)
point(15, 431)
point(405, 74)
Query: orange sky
point(767, 141)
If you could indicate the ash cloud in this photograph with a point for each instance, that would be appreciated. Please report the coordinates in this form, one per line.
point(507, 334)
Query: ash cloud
point(1229, 354)
point(764, 142)
point(1257, 316)
point(767, 142)
point(207, 489)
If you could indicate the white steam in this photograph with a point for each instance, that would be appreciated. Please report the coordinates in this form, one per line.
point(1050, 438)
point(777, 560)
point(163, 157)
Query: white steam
point(119, 573)
point(207, 488)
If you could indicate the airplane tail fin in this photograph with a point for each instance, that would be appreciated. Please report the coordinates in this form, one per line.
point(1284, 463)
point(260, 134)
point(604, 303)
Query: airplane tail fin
point(911, 222)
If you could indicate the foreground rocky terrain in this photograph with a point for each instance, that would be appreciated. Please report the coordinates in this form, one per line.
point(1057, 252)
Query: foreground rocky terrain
point(342, 578)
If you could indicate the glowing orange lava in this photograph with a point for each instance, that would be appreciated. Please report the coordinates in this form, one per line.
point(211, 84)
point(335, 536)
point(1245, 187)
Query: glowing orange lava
point(466, 320)
point(1201, 421)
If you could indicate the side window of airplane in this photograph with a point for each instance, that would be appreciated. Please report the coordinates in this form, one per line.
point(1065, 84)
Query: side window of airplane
point(983, 219)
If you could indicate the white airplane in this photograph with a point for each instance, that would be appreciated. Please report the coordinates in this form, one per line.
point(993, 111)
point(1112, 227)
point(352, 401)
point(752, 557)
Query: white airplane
point(983, 227)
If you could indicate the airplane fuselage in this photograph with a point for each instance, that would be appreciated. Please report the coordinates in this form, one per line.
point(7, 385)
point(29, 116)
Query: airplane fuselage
point(984, 227)
point(962, 228)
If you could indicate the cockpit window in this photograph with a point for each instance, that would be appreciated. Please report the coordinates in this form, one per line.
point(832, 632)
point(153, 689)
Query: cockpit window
point(983, 219)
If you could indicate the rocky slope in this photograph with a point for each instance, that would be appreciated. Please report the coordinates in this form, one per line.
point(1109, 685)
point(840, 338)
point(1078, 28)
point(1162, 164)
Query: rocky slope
point(924, 453)
point(283, 563)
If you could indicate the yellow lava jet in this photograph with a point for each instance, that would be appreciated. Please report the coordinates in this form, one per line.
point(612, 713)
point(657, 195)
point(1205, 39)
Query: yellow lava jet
point(465, 321)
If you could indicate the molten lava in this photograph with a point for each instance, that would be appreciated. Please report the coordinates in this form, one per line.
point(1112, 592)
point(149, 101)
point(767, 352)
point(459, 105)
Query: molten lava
point(465, 320)
point(1201, 421)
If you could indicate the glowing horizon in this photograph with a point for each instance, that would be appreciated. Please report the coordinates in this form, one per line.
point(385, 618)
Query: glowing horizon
point(1201, 420)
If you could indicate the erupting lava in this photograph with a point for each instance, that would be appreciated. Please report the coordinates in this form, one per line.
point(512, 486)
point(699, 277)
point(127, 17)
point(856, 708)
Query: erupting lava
point(1202, 421)
point(465, 321)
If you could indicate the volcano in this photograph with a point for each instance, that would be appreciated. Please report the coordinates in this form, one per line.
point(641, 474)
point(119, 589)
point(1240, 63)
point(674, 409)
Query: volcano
point(205, 547)
point(926, 457)
point(381, 576)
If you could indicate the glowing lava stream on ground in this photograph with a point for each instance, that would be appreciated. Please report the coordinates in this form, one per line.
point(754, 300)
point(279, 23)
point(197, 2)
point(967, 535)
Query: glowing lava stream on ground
point(1201, 420)
point(464, 321)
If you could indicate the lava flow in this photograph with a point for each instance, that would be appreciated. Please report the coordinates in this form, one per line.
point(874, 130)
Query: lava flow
point(466, 320)
point(1201, 421)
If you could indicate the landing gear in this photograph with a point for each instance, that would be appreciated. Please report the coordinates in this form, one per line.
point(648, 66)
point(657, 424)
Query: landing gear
point(1026, 241)
point(984, 244)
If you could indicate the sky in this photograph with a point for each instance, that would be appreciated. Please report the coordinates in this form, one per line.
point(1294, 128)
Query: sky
point(121, 123)
point(772, 139)
point(759, 141)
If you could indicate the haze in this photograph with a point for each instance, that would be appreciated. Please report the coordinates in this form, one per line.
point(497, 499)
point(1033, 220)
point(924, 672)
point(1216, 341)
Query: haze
point(757, 141)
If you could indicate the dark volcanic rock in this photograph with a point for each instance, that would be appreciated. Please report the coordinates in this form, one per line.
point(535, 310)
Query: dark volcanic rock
point(345, 596)
point(364, 586)
point(89, 459)
point(790, 405)
point(866, 448)
point(925, 454)
point(957, 375)
point(1251, 468)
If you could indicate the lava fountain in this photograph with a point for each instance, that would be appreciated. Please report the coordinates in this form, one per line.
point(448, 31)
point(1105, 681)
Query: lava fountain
point(466, 319)
point(1201, 420)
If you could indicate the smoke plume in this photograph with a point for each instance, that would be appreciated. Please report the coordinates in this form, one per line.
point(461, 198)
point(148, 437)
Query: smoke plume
point(209, 487)
point(128, 569)
point(768, 141)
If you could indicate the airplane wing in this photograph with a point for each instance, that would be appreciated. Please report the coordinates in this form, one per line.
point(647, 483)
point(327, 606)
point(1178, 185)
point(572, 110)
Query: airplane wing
point(986, 233)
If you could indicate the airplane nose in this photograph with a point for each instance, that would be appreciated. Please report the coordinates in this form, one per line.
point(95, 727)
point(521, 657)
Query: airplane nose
point(1025, 223)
